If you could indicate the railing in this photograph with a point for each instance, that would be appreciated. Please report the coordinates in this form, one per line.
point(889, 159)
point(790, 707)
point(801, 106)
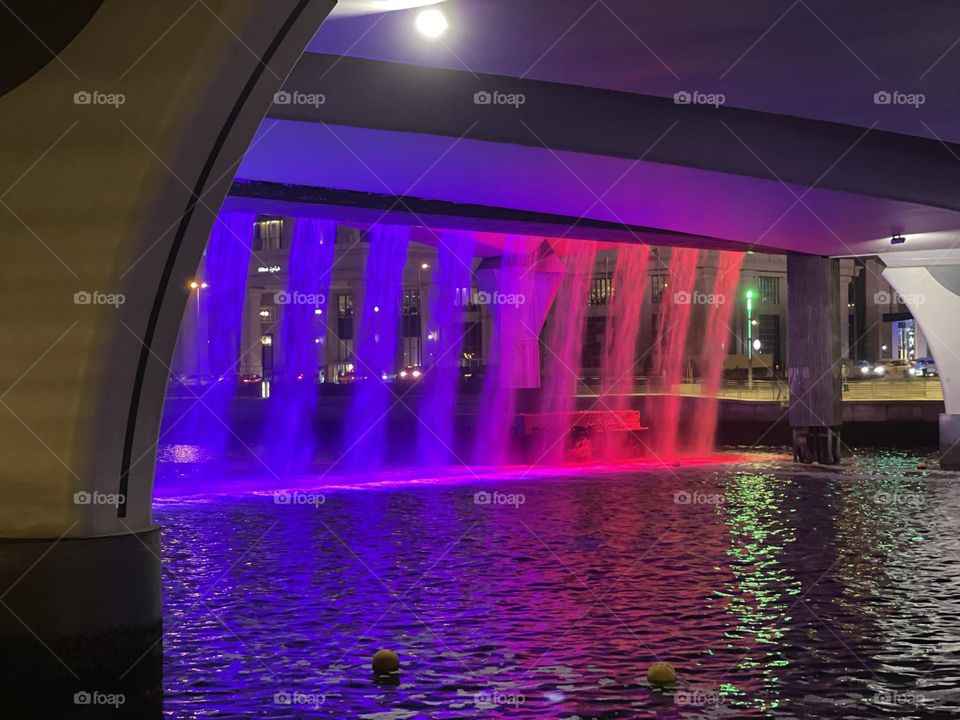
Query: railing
point(777, 390)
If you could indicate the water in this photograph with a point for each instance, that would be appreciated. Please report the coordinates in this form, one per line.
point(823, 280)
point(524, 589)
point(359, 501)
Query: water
point(777, 592)
point(620, 361)
point(672, 346)
point(563, 352)
point(377, 346)
point(514, 354)
point(435, 431)
point(217, 301)
point(305, 316)
point(713, 354)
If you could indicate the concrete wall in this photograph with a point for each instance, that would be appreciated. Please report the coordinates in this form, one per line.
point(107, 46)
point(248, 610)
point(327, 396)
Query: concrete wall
point(152, 104)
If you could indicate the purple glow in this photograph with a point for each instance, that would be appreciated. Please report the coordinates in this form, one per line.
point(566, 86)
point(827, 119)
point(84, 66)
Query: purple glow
point(217, 305)
point(376, 353)
point(513, 346)
point(435, 438)
point(294, 393)
point(564, 350)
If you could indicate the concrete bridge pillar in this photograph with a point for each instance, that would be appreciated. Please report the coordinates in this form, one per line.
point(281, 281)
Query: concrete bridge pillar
point(519, 288)
point(928, 283)
point(813, 357)
point(118, 152)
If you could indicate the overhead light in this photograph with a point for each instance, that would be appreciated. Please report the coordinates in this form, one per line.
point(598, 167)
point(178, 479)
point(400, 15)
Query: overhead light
point(432, 23)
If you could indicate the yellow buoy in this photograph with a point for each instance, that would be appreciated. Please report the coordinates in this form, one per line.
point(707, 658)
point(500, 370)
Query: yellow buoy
point(921, 465)
point(386, 662)
point(661, 673)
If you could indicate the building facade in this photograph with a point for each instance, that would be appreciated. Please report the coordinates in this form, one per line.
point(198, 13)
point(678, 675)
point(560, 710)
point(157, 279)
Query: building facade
point(875, 326)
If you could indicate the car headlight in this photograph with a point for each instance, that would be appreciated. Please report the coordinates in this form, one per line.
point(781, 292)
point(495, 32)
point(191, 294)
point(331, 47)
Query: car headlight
point(865, 371)
point(879, 370)
point(416, 373)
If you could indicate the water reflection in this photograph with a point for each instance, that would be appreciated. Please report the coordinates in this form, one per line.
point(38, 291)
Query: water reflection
point(777, 592)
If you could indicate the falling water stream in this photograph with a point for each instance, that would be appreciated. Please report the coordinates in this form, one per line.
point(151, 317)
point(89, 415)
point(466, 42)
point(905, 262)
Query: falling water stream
point(720, 303)
point(305, 309)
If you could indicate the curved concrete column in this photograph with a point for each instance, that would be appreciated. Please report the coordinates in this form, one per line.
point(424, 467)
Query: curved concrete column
point(928, 283)
point(519, 297)
point(116, 157)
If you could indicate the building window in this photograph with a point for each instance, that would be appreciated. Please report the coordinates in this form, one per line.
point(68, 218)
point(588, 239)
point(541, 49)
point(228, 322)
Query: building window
point(593, 342)
point(344, 328)
point(658, 286)
point(768, 289)
point(410, 330)
point(268, 234)
point(769, 335)
point(601, 289)
point(472, 352)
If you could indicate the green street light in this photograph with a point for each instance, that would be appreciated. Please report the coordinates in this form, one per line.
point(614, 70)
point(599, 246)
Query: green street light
point(750, 338)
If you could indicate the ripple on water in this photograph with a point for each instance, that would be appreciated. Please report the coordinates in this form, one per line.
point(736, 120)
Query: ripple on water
point(776, 591)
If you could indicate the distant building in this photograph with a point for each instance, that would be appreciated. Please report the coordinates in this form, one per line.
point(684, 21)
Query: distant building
point(875, 325)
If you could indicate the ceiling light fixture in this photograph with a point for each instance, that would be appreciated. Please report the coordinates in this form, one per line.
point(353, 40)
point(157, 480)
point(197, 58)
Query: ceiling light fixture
point(432, 23)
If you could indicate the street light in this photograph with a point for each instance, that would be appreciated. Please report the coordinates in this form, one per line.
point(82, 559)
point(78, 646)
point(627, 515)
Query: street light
point(750, 338)
point(198, 286)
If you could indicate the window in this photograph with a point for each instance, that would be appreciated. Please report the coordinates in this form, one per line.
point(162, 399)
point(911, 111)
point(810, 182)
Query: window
point(601, 289)
point(769, 335)
point(768, 289)
point(472, 352)
point(658, 286)
point(268, 234)
point(593, 342)
point(410, 328)
point(344, 328)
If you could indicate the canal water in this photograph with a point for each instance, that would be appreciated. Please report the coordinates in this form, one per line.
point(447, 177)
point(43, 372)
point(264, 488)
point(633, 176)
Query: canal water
point(775, 591)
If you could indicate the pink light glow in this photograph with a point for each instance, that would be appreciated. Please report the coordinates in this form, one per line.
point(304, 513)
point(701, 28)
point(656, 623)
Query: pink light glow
point(411, 477)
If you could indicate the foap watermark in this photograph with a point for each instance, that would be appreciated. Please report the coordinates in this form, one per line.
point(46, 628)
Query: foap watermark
point(285, 497)
point(299, 298)
point(472, 296)
point(95, 697)
point(95, 97)
point(894, 697)
point(698, 298)
point(483, 497)
point(295, 97)
point(695, 97)
point(895, 97)
point(495, 97)
point(83, 497)
point(684, 497)
point(499, 697)
point(898, 498)
point(697, 697)
point(295, 697)
point(95, 297)
point(890, 298)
